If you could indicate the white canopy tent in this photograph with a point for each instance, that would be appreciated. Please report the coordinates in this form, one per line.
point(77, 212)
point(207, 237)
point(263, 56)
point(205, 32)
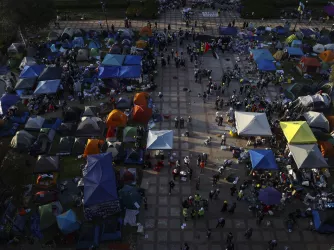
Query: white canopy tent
point(317, 120)
point(307, 156)
point(160, 140)
point(252, 124)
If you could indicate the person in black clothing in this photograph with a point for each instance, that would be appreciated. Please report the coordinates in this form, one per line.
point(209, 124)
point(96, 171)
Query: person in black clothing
point(229, 238)
point(224, 208)
point(233, 189)
point(249, 233)
point(208, 233)
point(171, 186)
point(221, 222)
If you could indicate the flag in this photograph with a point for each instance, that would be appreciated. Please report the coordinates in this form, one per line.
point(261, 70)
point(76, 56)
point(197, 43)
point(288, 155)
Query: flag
point(206, 47)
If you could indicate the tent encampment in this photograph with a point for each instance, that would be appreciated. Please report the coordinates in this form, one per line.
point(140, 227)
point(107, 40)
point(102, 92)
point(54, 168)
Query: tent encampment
point(50, 73)
point(317, 120)
point(263, 159)
point(123, 103)
point(116, 118)
point(307, 156)
point(252, 124)
point(47, 164)
point(67, 222)
point(297, 132)
point(113, 60)
point(323, 221)
point(22, 140)
point(48, 214)
point(34, 123)
point(160, 140)
point(141, 114)
point(47, 87)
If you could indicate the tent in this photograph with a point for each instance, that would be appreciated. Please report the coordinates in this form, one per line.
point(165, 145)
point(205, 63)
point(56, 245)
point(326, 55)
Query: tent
point(262, 159)
point(50, 73)
point(323, 221)
point(72, 114)
point(27, 61)
point(329, 46)
point(93, 147)
point(132, 60)
point(90, 111)
point(109, 72)
point(252, 124)
point(89, 127)
point(129, 134)
point(307, 156)
point(48, 214)
point(25, 83)
point(297, 132)
point(68, 33)
point(130, 71)
point(279, 30)
point(278, 55)
point(278, 45)
point(146, 31)
point(261, 54)
point(327, 56)
point(307, 32)
point(53, 36)
point(266, 65)
point(134, 156)
point(294, 52)
point(270, 196)
point(79, 146)
point(123, 103)
point(141, 114)
point(67, 128)
point(78, 42)
point(94, 45)
point(296, 44)
point(309, 65)
point(65, 145)
point(16, 48)
point(83, 55)
point(67, 222)
point(32, 71)
point(318, 48)
point(116, 118)
point(114, 149)
point(100, 180)
point(35, 123)
point(113, 60)
point(6, 101)
point(47, 164)
point(141, 44)
point(324, 40)
point(141, 98)
point(22, 140)
point(291, 38)
point(228, 31)
point(47, 87)
point(129, 197)
point(94, 53)
point(160, 140)
point(317, 120)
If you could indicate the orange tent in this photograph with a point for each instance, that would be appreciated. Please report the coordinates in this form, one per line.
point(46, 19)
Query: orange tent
point(327, 56)
point(141, 114)
point(146, 31)
point(93, 147)
point(141, 98)
point(116, 118)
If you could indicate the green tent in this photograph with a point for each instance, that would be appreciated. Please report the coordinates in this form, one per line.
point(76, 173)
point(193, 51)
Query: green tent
point(94, 52)
point(129, 134)
point(48, 214)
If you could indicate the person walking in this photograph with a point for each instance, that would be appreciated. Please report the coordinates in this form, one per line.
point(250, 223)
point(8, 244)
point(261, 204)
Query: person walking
point(233, 189)
point(171, 186)
point(161, 96)
point(208, 233)
point(221, 222)
point(229, 238)
point(211, 194)
point(176, 120)
point(248, 233)
point(272, 244)
point(198, 183)
point(260, 218)
point(202, 165)
point(224, 208)
point(232, 208)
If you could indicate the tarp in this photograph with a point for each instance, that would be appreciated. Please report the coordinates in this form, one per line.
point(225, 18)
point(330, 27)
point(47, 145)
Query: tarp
point(129, 134)
point(50, 73)
point(141, 98)
point(47, 87)
point(22, 140)
point(327, 56)
point(252, 124)
point(93, 147)
point(100, 180)
point(116, 118)
point(130, 71)
point(261, 54)
point(67, 222)
point(228, 31)
point(266, 65)
point(270, 196)
point(160, 140)
point(141, 114)
point(297, 132)
point(308, 156)
point(123, 103)
point(32, 71)
point(113, 60)
point(132, 60)
point(109, 72)
point(317, 120)
point(294, 51)
point(323, 221)
point(47, 164)
point(78, 42)
point(25, 83)
point(263, 159)
point(318, 48)
point(35, 123)
point(6, 101)
point(129, 197)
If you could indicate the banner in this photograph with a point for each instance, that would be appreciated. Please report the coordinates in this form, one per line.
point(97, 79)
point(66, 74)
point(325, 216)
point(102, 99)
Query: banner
point(210, 14)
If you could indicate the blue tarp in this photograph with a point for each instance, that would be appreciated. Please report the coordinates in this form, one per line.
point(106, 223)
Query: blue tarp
point(94, 45)
point(132, 60)
point(78, 42)
point(323, 221)
point(6, 101)
point(47, 87)
point(295, 51)
point(100, 180)
point(130, 72)
point(113, 60)
point(262, 54)
point(32, 71)
point(263, 159)
point(266, 65)
point(296, 43)
point(109, 72)
point(67, 222)
point(228, 31)
point(307, 32)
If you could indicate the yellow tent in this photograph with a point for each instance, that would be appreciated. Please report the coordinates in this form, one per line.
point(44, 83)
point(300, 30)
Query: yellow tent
point(297, 132)
point(278, 55)
point(141, 44)
point(93, 147)
point(291, 38)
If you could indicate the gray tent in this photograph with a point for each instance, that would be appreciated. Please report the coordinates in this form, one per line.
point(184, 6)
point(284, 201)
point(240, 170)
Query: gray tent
point(47, 164)
point(27, 61)
point(123, 103)
point(89, 127)
point(90, 111)
point(65, 145)
point(279, 45)
point(22, 140)
point(317, 120)
point(25, 83)
point(307, 156)
point(53, 36)
point(160, 140)
point(16, 48)
point(34, 123)
point(79, 146)
point(83, 55)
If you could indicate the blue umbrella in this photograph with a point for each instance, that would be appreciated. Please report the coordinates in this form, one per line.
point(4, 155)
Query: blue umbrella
point(270, 196)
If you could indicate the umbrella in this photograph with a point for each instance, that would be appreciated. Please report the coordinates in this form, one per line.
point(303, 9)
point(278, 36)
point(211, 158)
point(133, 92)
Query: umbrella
point(270, 196)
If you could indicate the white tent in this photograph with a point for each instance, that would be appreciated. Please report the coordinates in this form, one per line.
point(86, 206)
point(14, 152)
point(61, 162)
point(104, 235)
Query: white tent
point(252, 124)
point(160, 140)
point(329, 46)
point(27, 61)
point(307, 156)
point(318, 48)
point(317, 120)
point(35, 123)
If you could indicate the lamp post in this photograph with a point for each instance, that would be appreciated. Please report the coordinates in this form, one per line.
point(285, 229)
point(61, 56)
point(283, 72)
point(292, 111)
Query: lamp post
point(104, 10)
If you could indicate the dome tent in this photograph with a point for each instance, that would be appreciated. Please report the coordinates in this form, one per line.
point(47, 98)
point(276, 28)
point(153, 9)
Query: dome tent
point(116, 118)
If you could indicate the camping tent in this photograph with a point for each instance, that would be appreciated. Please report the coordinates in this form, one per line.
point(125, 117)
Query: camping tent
point(27, 61)
point(262, 159)
point(25, 83)
point(329, 46)
point(79, 146)
point(261, 54)
point(93, 147)
point(89, 127)
point(22, 140)
point(129, 134)
point(116, 118)
point(323, 221)
point(297, 132)
point(69, 33)
point(160, 140)
point(48, 214)
point(129, 196)
point(146, 31)
point(72, 114)
point(35, 123)
point(296, 44)
point(123, 103)
point(65, 145)
point(83, 55)
point(78, 42)
point(278, 55)
point(318, 48)
point(130, 71)
point(309, 65)
point(296, 52)
point(113, 60)
point(32, 71)
point(134, 156)
point(141, 114)
point(266, 65)
point(47, 87)
point(47, 164)
point(327, 56)
point(317, 120)
point(50, 73)
point(94, 45)
point(252, 124)
point(67, 222)
point(109, 72)
point(141, 98)
point(53, 36)
point(307, 156)
point(90, 111)
point(6, 101)
point(291, 38)
point(16, 48)
point(307, 32)
point(132, 60)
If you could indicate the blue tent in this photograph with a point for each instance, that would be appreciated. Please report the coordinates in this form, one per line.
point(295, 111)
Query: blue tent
point(67, 222)
point(262, 54)
point(132, 60)
point(100, 180)
point(94, 45)
point(47, 87)
point(109, 72)
point(323, 221)
point(263, 159)
point(78, 42)
point(266, 65)
point(295, 51)
point(32, 71)
point(307, 32)
point(113, 60)
point(296, 43)
point(228, 31)
point(134, 156)
point(279, 30)
point(130, 71)
point(324, 40)
point(6, 101)
point(53, 48)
